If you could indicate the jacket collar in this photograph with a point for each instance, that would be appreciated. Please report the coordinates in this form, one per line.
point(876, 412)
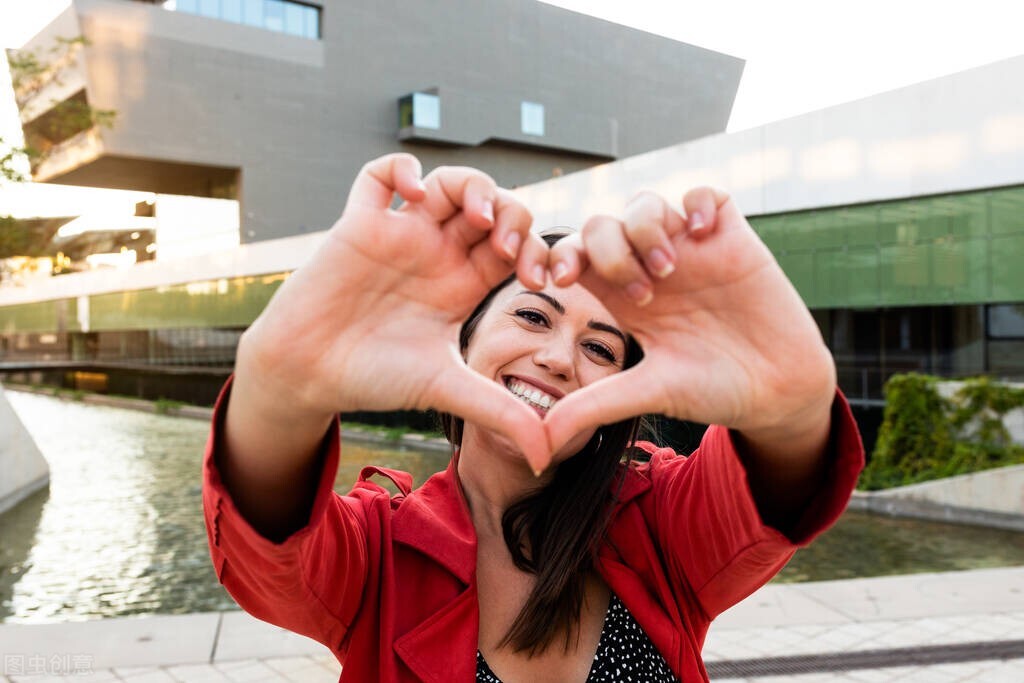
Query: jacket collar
point(435, 519)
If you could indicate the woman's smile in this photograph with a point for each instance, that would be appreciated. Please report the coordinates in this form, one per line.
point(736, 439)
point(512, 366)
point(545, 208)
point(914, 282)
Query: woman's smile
point(539, 396)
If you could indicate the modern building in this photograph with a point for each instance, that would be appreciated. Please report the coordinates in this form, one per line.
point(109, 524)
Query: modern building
point(278, 103)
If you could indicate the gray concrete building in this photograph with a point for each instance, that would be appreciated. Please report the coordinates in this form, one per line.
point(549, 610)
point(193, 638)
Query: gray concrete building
point(278, 104)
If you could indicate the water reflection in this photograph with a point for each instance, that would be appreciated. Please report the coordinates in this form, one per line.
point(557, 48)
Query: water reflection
point(121, 530)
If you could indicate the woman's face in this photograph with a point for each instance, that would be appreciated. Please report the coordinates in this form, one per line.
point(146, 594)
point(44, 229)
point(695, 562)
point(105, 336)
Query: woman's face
point(544, 345)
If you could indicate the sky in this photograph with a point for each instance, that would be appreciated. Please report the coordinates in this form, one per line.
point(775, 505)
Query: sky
point(801, 55)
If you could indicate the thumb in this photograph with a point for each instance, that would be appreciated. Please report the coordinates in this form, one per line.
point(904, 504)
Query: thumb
point(612, 399)
point(461, 391)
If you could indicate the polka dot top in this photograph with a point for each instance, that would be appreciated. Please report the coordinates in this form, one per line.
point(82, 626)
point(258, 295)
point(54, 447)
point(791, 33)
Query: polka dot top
point(624, 653)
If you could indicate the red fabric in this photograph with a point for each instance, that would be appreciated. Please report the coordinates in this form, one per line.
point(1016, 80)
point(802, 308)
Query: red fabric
point(388, 584)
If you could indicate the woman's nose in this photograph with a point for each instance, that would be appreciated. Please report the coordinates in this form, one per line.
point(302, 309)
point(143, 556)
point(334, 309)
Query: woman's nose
point(556, 356)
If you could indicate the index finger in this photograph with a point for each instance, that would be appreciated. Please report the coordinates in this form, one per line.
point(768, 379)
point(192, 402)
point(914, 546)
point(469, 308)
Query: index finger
point(380, 179)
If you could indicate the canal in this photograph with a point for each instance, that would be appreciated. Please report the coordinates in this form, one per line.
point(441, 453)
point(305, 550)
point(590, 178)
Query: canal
point(120, 530)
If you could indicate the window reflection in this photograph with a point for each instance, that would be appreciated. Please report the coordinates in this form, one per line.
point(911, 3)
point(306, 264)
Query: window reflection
point(282, 16)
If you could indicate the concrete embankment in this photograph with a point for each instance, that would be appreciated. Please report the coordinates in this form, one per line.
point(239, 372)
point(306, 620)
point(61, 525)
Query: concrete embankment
point(24, 468)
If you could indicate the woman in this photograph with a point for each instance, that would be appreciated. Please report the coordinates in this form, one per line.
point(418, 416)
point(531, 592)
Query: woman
point(518, 560)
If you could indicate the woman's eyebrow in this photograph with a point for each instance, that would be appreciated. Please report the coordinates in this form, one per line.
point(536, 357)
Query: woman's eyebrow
point(593, 324)
point(605, 327)
point(555, 304)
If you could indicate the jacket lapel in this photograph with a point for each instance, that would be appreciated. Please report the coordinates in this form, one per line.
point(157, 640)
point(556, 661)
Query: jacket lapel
point(434, 520)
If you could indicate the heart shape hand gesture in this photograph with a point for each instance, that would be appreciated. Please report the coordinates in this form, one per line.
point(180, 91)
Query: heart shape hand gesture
point(372, 321)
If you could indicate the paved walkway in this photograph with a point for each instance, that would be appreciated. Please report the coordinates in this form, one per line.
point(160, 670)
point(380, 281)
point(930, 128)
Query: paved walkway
point(931, 628)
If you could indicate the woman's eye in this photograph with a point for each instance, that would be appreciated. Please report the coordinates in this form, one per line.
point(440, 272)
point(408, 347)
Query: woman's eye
point(533, 317)
point(601, 350)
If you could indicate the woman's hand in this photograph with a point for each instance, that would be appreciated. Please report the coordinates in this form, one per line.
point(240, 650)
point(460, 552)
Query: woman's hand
point(726, 338)
point(372, 321)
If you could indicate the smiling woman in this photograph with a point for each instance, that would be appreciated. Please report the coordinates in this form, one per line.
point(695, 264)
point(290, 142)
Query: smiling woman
point(556, 541)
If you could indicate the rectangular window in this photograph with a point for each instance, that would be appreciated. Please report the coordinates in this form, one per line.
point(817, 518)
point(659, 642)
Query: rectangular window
point(252, 12)
point(293, 20)
point(426, 110)
point(209, 8)
point(1006, 321)
point(273, 15)
point(312, 22)
point(231, 10)
point(283, 16)
point(532, 118)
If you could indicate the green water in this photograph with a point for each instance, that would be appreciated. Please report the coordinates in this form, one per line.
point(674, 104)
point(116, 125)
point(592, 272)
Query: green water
point(120, 530)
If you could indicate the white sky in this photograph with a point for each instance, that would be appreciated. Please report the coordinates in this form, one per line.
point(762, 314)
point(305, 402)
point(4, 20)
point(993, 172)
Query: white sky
point(801, 55)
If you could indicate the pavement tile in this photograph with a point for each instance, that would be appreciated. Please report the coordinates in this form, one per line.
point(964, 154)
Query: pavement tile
point(302, 670)
point(151, 676)
point(197, 673)
point(249, 671)
point(245, 637)
point(106, 643)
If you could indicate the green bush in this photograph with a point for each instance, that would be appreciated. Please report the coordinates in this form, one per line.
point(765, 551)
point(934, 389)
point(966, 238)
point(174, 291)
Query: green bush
point(925, 436)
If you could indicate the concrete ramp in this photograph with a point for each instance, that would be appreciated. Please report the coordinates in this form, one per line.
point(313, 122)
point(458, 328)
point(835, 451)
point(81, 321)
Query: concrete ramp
point(989, 498)
point(23, 469)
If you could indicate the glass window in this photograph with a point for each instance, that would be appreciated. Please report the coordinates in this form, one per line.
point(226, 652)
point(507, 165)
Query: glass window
point(293, 22)
point(252, 12)
point(426, 110)
point(1006, 321)
point(532, 115)
point(273, 15)
point(312, 22)
point(187, 6)
point(209, 8)
point(231, 10)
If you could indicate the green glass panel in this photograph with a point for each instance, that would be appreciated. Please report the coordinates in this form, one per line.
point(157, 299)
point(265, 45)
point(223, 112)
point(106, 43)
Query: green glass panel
point(214, 303)
point(896, 223)
point(771, 230)
point(831, 277)
point(903, 273)
point(959, 271)
point(860, 223)
point(861, 264)
point(1008, 268)
point(932, 218)
point(813, 230)
point(799, 268)
point(969, 215)
point(1006, 209)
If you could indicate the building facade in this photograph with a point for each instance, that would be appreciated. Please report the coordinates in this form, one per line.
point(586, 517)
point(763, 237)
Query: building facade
point(278, 104)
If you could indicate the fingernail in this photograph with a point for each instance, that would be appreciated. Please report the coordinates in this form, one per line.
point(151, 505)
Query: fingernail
point(697, 221)
point(659, 262)
point(420, 185)
point(640, 293)
point(538, 275)
point(560, 271)
point(537, 473)
point(488, 211)
point(512, 241)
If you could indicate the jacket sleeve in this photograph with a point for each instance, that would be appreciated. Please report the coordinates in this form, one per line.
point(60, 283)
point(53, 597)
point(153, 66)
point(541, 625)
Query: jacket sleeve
point(312, 582)
point(707, 524)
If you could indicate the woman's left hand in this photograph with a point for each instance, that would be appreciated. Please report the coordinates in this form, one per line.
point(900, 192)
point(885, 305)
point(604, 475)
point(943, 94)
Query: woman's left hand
point(726, 338)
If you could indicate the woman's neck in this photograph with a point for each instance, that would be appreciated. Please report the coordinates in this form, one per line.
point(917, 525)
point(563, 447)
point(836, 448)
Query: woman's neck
point(494, 475)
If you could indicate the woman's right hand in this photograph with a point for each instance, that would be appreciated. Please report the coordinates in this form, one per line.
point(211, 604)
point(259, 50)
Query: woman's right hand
point(371, 322)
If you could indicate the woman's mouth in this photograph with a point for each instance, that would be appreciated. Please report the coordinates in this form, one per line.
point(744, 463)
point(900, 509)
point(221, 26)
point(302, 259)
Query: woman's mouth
point(536, 398)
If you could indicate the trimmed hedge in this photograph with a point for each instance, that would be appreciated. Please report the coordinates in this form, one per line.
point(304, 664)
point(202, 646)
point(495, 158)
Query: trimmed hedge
point(925, 436)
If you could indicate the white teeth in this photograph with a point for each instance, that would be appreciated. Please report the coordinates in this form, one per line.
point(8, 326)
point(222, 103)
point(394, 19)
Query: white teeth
point(531, 395)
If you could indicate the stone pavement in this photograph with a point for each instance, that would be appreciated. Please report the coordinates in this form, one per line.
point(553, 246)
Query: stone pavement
point(928, 628)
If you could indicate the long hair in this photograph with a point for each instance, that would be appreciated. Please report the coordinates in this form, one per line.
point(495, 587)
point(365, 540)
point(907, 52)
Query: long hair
point(554, 532)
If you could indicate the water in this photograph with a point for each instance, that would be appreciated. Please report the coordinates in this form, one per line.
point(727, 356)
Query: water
point(121, 530)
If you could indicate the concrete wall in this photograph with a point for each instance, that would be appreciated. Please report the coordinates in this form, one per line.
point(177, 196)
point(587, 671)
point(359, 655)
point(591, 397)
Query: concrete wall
point(299, 117)
point(24, 469)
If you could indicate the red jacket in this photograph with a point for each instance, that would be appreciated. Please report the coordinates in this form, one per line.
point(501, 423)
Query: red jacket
point(388, 584)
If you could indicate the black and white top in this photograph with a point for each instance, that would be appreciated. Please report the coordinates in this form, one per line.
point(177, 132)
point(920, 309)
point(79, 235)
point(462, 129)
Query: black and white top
point(624, 653)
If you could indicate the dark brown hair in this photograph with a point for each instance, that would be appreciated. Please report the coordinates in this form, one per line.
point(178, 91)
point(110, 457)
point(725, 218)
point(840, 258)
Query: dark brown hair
point(554, 532)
